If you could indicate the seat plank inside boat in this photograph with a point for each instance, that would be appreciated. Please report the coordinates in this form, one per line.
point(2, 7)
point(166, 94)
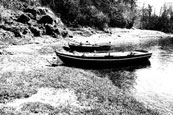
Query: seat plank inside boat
point(112, 54)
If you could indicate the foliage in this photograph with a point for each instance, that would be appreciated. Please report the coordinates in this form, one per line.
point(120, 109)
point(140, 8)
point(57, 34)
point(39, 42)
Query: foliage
point(94, 13)
point(116, 18)
point(102, 13)
point(91, 16)
point(163, 22)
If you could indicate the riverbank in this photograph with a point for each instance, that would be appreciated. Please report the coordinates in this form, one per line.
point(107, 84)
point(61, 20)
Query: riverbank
point(34, 80)
point(118, 36)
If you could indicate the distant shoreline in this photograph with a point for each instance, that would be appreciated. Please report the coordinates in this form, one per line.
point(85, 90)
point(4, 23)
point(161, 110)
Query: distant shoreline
point(119, 36)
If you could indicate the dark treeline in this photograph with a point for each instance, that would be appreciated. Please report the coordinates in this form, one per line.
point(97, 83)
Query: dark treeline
point(162, 21)
point(103, 13)
point(95, 13)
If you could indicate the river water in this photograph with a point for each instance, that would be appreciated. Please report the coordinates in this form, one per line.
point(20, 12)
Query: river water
point(151, 83)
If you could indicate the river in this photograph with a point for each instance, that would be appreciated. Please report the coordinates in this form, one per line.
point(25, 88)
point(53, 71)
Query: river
point(151, 83)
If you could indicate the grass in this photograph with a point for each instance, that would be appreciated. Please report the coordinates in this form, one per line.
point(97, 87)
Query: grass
point(95, 95)
point(96, 92)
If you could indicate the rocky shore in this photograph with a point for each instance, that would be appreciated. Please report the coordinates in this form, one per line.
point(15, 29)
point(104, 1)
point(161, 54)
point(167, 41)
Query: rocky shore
point(34, 81)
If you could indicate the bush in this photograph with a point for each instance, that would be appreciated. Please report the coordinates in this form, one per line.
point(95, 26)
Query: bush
point(91, 16)
point(100, 20)
point(93, 13)
point(117, 20)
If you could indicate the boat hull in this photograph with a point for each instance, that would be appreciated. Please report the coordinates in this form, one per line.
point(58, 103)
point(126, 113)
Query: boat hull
point(106, 61)
point(89, 48)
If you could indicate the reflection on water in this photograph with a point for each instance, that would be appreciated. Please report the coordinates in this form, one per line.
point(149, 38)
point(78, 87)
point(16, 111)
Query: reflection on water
point(122, 77)
point(152, 84)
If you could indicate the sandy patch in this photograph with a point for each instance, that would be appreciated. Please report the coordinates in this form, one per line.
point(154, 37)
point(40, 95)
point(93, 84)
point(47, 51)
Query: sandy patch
point(21, 62)
point(51, 96)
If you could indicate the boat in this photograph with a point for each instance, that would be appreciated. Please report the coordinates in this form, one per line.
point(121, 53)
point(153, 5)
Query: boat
point(87, 47)
point(96, 59)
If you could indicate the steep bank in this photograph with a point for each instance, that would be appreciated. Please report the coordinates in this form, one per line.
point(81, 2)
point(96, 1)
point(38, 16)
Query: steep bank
point(20, 26)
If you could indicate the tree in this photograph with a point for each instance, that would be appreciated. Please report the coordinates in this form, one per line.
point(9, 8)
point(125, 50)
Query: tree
point(116, 13)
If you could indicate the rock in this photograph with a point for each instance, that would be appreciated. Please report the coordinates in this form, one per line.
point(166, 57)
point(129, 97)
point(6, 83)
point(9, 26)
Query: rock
point(6, 37)
point(64, 33)
point(17, 33)
point(30, 15)
point(44, 11)
point(13, 29)
point(32, 11)
point(57, 31)
point(35, 30)
point(49, 29)
point(32, 21)
point(23, 19)
point(46, 19)
point(41, 10)
point(4, 52)
point(7, 13)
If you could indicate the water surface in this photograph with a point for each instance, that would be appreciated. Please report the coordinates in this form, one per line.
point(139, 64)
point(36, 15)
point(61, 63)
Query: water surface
point(150, 83)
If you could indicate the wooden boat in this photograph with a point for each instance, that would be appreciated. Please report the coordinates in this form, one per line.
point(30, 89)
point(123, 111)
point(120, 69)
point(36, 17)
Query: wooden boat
point(104, 58)
point(87, 47)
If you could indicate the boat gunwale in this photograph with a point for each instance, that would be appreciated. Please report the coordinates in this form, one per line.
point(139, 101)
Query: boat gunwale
point(105, 58)
point(89, 45)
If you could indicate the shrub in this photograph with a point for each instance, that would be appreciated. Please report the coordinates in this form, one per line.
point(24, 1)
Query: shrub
point(117, 20)
point(94, 13)
point(91, 16)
